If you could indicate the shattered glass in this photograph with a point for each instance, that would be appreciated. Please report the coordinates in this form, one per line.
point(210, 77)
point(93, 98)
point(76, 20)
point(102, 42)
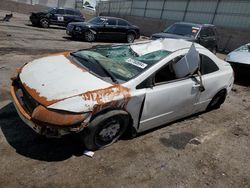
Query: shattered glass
point(122, 61)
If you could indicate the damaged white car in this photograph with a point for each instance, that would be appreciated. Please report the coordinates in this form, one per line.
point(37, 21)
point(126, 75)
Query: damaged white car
point(103, 91)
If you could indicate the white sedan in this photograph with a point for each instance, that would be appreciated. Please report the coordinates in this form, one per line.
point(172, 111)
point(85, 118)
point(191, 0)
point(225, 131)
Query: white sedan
point(103, 91)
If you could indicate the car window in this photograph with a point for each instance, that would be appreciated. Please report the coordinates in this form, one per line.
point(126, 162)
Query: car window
point(207, 65)
point(97, 20)
point(167, 73)
point(182, 29)
point(52, 11)
point(203, 32)
point(60, 11)
point(210, 32)
point(122, 23)
point(111, 21)
point(69, 12)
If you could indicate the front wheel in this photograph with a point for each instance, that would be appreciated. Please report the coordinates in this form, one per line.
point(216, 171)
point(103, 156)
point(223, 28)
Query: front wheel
point(44, 23)
point(105, 129)
point(130, 38)
point(89, 36)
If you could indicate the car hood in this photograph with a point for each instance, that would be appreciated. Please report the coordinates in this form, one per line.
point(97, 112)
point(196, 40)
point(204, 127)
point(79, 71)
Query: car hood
point(82, 24)
point(54, 78)
point(172, 36)
point(239, 57)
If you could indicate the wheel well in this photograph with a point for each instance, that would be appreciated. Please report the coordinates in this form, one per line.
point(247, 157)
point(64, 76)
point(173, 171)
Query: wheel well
point(131, 32)
point(105, 110)
point(224, 92)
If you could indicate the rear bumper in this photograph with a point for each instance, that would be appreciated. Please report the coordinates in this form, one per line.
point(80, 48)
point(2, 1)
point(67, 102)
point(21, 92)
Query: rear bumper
point(43, 128)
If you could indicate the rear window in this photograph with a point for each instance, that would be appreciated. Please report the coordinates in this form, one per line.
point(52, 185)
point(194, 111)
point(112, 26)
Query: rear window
point(207, 65)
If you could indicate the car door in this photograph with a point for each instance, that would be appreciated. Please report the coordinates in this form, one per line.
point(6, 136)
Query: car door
point(210, 76)
point(207, 38)
point(122, 28)
point(58, 17)
point(109, 29)
point(69, 16)
point(171, 97)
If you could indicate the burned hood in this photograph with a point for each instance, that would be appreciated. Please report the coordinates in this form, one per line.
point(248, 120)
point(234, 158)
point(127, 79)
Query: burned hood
point(172, 36)
point(54, 78)
point(239, 57)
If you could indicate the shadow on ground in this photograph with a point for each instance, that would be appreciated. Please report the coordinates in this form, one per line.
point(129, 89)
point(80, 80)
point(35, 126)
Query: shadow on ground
point(50, 27)
point(177, 141)
point(27, 143)
point(109, 41)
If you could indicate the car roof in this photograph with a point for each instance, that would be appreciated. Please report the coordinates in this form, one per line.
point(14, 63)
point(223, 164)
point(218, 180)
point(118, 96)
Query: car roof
point(195, 24)
point(170, 45)
point(110, 17)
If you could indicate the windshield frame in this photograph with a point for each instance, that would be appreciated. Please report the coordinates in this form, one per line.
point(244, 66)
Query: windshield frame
point(117, 79)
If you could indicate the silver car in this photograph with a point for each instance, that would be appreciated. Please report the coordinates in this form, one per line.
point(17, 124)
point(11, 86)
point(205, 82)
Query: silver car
point(240, 60)
point(103, 91)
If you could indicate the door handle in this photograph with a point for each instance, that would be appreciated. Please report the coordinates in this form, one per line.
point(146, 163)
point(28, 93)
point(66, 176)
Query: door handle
point(196, 85)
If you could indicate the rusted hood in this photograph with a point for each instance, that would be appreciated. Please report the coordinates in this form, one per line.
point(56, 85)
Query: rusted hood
point(51, 79)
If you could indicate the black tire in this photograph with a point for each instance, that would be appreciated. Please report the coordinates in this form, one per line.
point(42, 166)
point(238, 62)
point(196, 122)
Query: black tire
point(105, 129)
point(44, 22)
point(217, 100)
point(89, 36)
point(130, 37)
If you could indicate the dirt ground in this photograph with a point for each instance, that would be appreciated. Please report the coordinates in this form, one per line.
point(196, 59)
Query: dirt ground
point(164, 157)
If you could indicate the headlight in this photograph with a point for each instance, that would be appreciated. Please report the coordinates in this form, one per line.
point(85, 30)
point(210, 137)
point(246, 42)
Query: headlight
point(59, 118)
point(77, 28)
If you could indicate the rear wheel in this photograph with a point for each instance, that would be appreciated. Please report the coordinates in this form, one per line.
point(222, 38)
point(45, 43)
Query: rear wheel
point(130, 37)
point(217, 100)
point(89, 36)
point(44, 23)
point(105, 129)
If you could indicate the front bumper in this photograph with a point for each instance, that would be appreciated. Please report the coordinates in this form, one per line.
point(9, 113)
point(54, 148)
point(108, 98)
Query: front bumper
point(42, 128)
point(70, 30)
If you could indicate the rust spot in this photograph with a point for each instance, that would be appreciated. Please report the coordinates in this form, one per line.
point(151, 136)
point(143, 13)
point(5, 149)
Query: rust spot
point(66, 54)
point(108, 97)
point(56, 118)
point(36, 95)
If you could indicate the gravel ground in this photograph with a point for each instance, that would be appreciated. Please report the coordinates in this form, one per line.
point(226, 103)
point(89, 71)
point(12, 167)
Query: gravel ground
point(163, 157)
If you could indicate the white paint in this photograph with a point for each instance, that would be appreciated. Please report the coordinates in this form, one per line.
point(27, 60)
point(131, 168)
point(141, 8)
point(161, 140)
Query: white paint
point(170, 45)
point(55, 78)
point(239, 57)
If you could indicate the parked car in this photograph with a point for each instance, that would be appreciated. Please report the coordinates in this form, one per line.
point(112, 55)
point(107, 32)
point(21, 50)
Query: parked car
point(104, 28)
point(204, 34)
point(240, 60)
point(105, 90)
point(89, 8)
point(56, 16)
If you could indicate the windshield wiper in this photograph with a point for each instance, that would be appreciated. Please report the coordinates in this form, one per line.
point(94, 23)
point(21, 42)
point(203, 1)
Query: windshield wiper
point(93, 60)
